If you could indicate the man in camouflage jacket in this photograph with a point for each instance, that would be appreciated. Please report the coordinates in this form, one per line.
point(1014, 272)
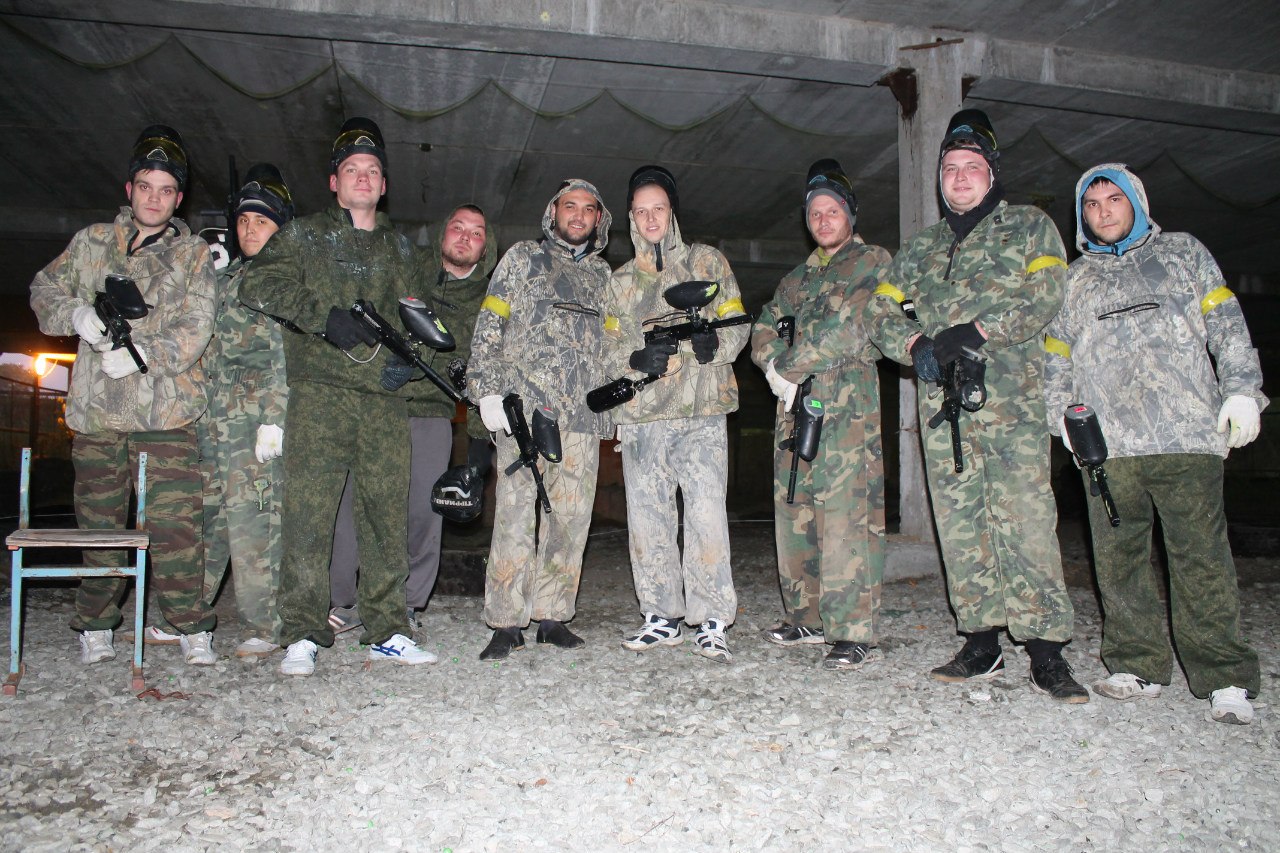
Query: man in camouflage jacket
point(830, 540)
point(987, 280)
point(340, 417)
point(1144, 311)
point(539, 335)
point(117, 412)
point(672, 433)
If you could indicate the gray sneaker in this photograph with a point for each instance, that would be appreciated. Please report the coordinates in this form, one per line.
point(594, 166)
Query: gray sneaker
point(197, 649)
point(96, 646)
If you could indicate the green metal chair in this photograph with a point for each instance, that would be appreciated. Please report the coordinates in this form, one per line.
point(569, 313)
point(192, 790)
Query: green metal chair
point(25, 537)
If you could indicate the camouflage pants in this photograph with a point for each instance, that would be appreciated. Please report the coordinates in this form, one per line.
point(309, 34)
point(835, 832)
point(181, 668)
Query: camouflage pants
point(1186, 489)
point(658, 457)
point(535, 560)
point(241, 512)
point(333, 431)
point(106, 468)
point(831, 540)
point(996, 525)
point(430, 444)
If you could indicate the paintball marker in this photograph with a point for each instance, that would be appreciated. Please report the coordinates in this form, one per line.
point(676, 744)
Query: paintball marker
point(117, 303)
point(544, 439)
point(688, 297)
point(424, 327)
point(1090, 449)
point(963, 387)
point(806, 414)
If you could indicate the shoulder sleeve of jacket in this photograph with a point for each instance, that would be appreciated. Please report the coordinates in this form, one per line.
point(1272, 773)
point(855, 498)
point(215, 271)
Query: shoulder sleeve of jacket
point(189, 323)
point(55, 291)
point(1239, 369)
point(710, 262)
point(765, 344)
point(277, 283)
point(837, 334)
point(1023, 305)
point(486, 370)
point(884, 316)
point(1060, 337)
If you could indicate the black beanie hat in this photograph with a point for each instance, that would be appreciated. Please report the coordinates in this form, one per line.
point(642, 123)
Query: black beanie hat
point(826, 177)
point(972, 129)
point(658, 176)
point(359, 135)
point(265, 192)
point(160, 147)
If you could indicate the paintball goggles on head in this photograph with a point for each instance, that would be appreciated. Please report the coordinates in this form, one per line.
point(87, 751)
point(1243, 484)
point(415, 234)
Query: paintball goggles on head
point(116, 304)
point(688, 297)
point(963, 387)
point(1090, 449)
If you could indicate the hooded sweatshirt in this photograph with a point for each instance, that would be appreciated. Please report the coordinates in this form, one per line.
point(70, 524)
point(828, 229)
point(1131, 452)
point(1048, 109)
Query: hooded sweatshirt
point(540, 331)
point(635, 303)
point(1133, 339)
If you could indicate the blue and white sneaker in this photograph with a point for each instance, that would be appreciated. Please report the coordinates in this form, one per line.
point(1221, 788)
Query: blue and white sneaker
point(401, 649)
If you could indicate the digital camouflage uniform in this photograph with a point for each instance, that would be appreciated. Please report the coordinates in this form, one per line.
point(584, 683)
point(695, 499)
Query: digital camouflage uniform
point(457, 302)
point(831, 540)
point(1133, 342)
point(673, 432)
point(539, 335)
point(340, 418)
point(995, 520)
point(245, 365)
point(116, 419)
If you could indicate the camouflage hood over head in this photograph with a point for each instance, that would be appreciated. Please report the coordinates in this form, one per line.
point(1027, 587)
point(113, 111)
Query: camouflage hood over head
point(1131, 185)
point(599, 239)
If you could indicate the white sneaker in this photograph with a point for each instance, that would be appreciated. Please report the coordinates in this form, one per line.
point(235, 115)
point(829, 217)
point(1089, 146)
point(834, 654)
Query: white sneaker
point(256, 647)
point(198, 648)
point(96, 646)
point(400, 649)
point(153, 636)
point(1230, 705)
point(656, 631)
point(1123, 686)
point(710, 642)
point(299, 659)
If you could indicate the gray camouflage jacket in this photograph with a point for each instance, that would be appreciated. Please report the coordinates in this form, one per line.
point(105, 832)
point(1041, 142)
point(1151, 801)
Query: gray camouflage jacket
point(635, 304)
point(540, 331)
point(245, 358)
point(1134, 337)
point(175, 275)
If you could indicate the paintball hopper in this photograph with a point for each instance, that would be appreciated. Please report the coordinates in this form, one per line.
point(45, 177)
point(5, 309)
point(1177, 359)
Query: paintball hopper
point(691, 295)
point(1086, 436)
point(124, 293)
point(423, 324)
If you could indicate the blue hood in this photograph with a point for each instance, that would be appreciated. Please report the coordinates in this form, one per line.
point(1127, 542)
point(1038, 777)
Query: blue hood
point(1131, 186)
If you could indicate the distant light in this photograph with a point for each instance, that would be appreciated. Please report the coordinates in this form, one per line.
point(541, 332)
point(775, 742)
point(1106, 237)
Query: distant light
point(45, 362)
point(424, 146)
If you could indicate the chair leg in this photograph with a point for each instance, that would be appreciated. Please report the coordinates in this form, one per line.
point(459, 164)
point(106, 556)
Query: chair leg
point(15, 627)
point(140, 600)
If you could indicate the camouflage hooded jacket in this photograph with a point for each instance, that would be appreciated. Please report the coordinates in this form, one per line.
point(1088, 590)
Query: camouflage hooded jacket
point(318, 262)
point(634, 302)
point(245, 358)
point(1008, 274)
point(175, 275)
point(457, 302)
point(1135, 333)
point(541, 327)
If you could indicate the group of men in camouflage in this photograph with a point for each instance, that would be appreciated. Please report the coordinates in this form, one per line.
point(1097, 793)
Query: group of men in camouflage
point(1131, 327)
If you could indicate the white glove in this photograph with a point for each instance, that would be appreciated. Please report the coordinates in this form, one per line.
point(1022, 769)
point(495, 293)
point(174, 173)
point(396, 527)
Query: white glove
point(270, 442)
point(87, 325)
point(495, 419)
point(118, 363)
point(789, 395)
point(1244, 417)
point(1066, 438)
point(783, 389)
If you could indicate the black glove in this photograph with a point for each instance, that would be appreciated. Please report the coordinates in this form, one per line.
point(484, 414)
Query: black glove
point(947, 343)
point(653, 358)
point(396, 373)
point(924, 361)
point(479, 457)
point(344, 331)
point(705, 345)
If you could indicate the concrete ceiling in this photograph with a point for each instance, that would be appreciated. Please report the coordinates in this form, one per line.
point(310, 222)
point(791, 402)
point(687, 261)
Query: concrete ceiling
point(495, 102)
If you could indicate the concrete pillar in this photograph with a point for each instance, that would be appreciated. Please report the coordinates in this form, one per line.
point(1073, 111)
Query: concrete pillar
point(928, 94)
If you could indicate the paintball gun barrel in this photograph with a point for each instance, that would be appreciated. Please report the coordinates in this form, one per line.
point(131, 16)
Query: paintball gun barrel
point(543, 439)
point(689, 297)
point(963, 387)
point(116, 304)
point(1090, 449)
point(424, 327)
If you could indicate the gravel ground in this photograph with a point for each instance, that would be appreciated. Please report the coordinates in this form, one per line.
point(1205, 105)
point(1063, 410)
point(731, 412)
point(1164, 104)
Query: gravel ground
point(605, 749)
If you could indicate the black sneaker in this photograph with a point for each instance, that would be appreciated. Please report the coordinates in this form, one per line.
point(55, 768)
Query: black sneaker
point(555, 633)
point(787, 634)
point(846, 654)
point(1054, 678)
point(970, 664)
point(503, 643)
